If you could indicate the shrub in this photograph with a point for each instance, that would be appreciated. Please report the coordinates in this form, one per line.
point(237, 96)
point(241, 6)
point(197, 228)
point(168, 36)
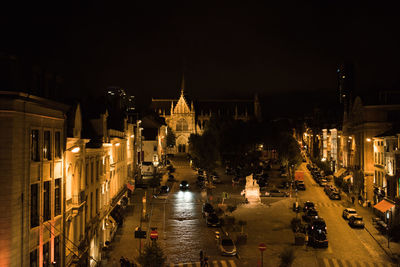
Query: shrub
point(152, 256)
point(287, 257)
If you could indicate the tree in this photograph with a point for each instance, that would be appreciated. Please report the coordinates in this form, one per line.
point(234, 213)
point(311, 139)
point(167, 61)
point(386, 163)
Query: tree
point(287, 257)
point(153, 256)
point(288, 150)
point(171, 138)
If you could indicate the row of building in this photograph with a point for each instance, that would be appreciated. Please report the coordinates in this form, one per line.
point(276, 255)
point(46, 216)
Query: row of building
point(65, 177)
point(66, 171)
point(363, 152)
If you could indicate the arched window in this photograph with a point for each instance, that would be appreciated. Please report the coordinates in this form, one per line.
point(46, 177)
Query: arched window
point(181, 125)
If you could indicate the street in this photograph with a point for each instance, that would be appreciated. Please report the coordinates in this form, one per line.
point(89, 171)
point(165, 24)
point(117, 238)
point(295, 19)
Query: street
point(186, 233)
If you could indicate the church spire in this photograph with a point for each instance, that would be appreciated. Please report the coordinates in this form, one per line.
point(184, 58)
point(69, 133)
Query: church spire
point(183, 84)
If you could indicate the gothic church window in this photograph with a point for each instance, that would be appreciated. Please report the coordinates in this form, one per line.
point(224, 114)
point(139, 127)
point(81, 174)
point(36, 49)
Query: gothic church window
point(181, 125)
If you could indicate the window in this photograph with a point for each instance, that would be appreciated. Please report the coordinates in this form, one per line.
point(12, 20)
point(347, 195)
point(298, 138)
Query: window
point(46, 201)
point(181, 125)
point(155, 148)
point(86, 173)
point(97, 170)
point(33, 258)
point(57, 145)
point(34, 205)
point(91, 171)
point(57, 197)
point(97, 201)
point(57, 258)
point(47, 145)
point(46, 255)
point(35, 156)
point(91, 205)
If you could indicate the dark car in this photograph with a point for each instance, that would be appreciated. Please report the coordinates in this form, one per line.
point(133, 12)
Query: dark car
point(310, 214)
point(300, 185)
point(212, 220)
point(334, 195)
point(184, 185)
point(164, 189)
point(318, 239)
point(276, 193)
point(283, 185)
point(322, 182)
point(317, 223)
point(308, 205)
point(171, 177)
point(207, 209)
point(356, 221)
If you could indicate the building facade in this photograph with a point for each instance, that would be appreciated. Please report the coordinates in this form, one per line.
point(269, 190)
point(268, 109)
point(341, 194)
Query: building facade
point(31, 200)
point(186, 117)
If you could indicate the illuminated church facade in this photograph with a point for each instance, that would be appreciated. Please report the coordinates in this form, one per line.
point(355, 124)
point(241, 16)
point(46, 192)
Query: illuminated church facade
point(186, 117)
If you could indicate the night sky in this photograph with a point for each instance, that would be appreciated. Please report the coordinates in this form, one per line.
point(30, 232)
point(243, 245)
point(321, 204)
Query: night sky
point(225, 49)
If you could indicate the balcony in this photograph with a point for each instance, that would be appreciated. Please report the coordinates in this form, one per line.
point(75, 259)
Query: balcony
point(78, 199)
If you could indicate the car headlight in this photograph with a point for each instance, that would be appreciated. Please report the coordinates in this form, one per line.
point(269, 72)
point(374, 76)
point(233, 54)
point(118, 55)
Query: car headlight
point(187, 185)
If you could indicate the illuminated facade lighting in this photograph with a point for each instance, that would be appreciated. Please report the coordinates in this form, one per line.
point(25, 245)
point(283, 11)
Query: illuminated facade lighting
point(75, 149)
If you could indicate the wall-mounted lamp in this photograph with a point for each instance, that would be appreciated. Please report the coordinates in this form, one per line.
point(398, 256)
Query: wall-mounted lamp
point(74, 149)
point(368, 139)
point(107, 144)
point(132, 136)
point(117, 144)
point(350, 137)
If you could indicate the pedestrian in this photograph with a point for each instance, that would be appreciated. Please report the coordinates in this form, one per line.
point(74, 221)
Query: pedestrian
point(205, 260)
point(353, 199)
point(201, 258)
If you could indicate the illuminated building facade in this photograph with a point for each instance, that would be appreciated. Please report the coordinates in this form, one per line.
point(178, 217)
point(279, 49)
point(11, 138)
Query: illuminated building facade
point(31, 192)
point(185, 119)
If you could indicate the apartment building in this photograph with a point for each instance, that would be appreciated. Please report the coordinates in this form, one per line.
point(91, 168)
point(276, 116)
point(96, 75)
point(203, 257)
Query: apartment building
point(31, 192)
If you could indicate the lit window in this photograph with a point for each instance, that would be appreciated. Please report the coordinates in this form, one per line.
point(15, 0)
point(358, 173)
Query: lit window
point(47, 145)
point(35, 145)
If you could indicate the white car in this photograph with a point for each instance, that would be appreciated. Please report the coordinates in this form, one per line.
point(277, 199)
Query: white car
point(347, 213)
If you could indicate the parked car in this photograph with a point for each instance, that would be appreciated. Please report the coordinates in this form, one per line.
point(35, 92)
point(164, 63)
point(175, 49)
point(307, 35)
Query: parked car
point(334, 195)
point(309, 214)
point(322, 182)
point(171, 177)
point(347, 213)
point(212, 220)
point(318, 239)
point(207, 209)
point(283, 185)
point(328, 188)
point(226, 246)
point(317, 223)
point(300, 185)
point(356, 221)
point(184, 185)
point(216, 179)
point(308, 205)
point(276, 193)
point(164, 189)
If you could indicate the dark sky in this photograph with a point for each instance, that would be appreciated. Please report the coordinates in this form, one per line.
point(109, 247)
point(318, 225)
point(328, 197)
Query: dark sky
point(226, 49)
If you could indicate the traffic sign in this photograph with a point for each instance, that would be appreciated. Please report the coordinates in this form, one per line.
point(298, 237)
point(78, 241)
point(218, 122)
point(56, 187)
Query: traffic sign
point(262, 247)
point(154, 234)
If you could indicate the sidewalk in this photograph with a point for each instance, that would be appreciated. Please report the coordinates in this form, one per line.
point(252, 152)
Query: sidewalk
point(124, 243)
point(393, 251)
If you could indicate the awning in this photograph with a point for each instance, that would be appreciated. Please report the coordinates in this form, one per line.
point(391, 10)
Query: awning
point(339, 172)
point(347, 177)
point(384, 206)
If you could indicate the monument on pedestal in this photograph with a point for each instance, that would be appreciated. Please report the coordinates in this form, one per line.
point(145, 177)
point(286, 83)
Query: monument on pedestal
point(252, 190)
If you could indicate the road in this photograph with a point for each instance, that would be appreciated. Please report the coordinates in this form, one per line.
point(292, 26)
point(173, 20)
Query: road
point(186, 232)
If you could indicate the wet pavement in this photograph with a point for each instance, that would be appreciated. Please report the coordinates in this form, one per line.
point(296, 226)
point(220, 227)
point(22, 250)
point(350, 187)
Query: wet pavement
point(183, 231)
